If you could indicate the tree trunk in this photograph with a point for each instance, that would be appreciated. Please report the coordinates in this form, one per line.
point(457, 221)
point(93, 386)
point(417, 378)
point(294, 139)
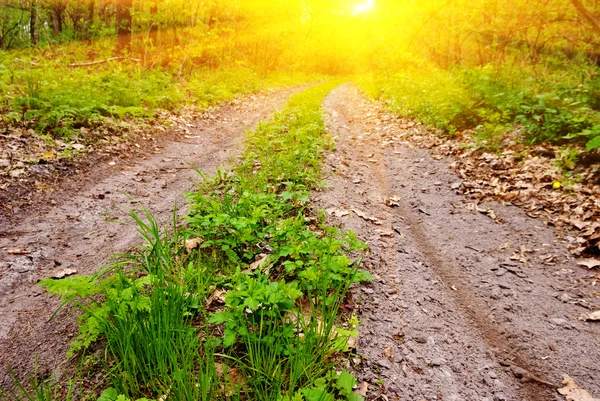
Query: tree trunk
point(587, 15)
point(124, 23)
point(57, 19)
point(90, 19)
point(153, 34)
point(33, 23)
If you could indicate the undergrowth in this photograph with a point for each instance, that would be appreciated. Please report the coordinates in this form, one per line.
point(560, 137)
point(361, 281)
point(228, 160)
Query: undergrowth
point(40, 90)
point(552, 104)
point(242, 301)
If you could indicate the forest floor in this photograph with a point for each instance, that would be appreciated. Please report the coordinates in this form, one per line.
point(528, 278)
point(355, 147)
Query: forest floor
point(465, 305)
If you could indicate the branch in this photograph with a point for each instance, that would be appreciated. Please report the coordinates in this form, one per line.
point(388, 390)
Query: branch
point(587, 14)
point(104, 61)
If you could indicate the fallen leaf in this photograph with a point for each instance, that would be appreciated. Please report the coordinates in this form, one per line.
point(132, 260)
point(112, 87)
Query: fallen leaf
point(191, 244)
point(593, 316)
point(394, 201)
point(64, 273)
point(261, 260)
point(337, 212)
point(362, 389)
point(573, 392)
point(589, 263)
point(18, 251)
point(363, 215)
point(217, 295)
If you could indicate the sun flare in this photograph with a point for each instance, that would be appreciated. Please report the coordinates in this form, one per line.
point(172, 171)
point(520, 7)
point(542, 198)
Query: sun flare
point(363, 7)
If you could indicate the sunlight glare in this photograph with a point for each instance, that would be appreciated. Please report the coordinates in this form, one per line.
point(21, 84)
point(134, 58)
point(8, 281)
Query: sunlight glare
point(363, 7)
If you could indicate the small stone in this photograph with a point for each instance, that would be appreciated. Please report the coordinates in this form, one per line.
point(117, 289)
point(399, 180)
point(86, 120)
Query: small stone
point(455, 185)
point(500, 397)
point(4, 163)
point(492, 374)
point(438, 183)
point(384, 363)
point(436, 362)
point(561, 323)
point(22, 265)
point(420, 339)
point(565, 297)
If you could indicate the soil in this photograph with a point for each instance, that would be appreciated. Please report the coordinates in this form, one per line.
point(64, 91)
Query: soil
point(465, 305)
point(462, 307)
point(80, 225)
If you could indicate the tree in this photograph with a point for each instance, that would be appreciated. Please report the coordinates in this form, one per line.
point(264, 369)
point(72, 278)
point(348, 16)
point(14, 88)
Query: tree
point(587, 15)
point(124, 23)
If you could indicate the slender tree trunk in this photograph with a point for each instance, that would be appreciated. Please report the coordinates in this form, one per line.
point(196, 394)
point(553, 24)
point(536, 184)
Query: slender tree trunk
point(153, 34)
point(89, 19)
point(124, 22)
point(57, 19)
point(33, 23)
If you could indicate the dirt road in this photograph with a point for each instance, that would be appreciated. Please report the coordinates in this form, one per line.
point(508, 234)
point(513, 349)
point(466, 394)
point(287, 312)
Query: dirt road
point(90, 221)
point(462, 307)
point(450, 315)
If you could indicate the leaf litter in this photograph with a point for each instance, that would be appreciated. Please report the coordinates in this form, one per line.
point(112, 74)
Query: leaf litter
point(573, 392)
point(518, 175)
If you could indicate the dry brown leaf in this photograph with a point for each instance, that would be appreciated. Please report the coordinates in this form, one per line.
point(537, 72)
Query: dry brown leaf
point(362, 389)
point(234, 378)
point(589, 263)
point(18, 251)
point(393, 201)
point(261, 259)
point(337, 212)
point(64, 273)
point(592, 316)
point(191, 244)
point(364, 216)
point(218, 295)
point(573, 392)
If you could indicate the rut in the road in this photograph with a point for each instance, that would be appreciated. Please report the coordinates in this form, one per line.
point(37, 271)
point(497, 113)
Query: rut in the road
point(449, 316)
point(77, 234)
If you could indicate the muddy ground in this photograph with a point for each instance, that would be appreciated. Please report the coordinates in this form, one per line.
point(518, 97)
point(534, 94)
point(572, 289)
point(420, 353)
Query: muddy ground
point(450, 315)
point(81, 225)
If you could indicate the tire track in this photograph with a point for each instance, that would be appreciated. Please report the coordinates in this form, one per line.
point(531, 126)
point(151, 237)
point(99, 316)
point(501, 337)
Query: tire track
point(444, 319)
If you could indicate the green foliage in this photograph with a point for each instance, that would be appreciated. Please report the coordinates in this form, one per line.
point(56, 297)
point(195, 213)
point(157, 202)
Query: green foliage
point(36, 388)
point(552, 108)
point(58, 101)
point(277, 333)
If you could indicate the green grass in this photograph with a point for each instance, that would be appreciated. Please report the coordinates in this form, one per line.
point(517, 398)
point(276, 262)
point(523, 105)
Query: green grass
point(278, 333)
point(556, 105)
point(39, 91)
